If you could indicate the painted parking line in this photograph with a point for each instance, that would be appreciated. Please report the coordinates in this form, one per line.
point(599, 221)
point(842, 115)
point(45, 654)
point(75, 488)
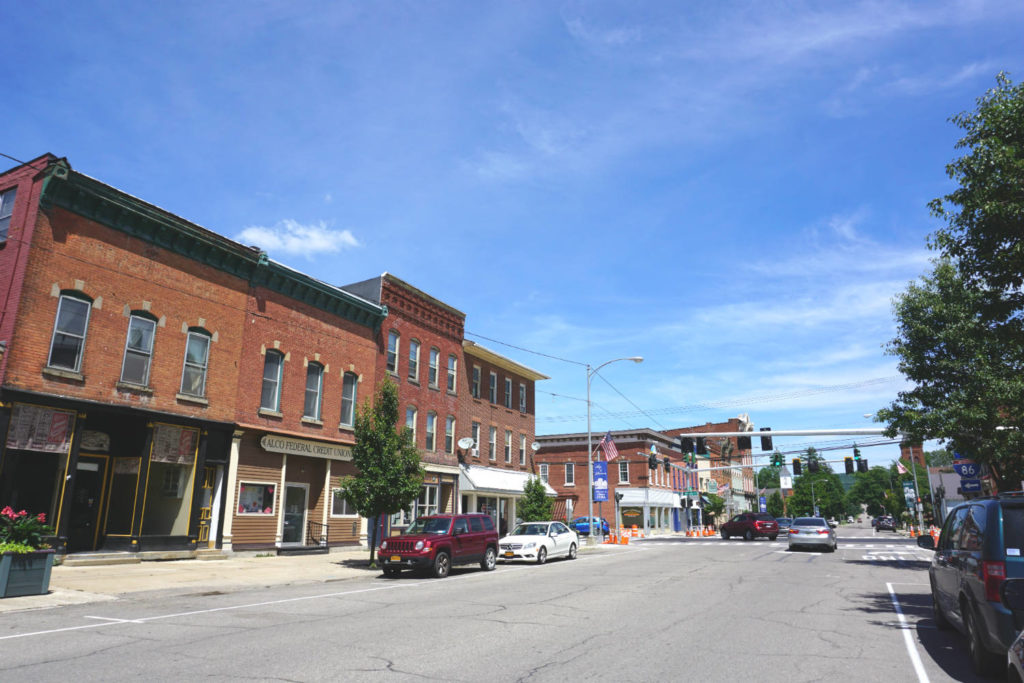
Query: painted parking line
point(908, 640)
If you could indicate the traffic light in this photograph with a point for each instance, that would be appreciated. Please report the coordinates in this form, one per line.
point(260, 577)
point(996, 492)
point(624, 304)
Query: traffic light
point(743, 443)
point(702, 446)
point(776, 459)
point(849, 465)
point(862, 465)
point(766, 441)
point(652, 461)
point(686, 444)
point(812, 465)
point(797, 467)
point(665, 462)
point(856, 453)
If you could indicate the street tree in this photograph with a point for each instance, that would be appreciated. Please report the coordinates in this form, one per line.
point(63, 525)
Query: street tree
point(389, 475)
point(768, 477)
point(870, 489)
point(534, 506)
point(942, 457)
point(827, 492)
point(960, 330)
point(775, 506)
point(714, 506)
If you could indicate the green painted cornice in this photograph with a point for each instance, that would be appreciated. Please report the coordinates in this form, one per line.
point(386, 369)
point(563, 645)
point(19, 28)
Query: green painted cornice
point(120, 211)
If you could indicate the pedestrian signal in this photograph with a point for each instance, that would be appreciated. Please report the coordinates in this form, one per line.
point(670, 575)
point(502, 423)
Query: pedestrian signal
point(862, 465)
point(797, 467)
point(849, 465)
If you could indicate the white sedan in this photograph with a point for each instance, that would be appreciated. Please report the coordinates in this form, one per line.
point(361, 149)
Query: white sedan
point(537, 541)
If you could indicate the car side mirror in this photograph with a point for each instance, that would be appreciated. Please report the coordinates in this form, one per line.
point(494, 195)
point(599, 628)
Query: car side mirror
point(926, 542)
point(1012, 594)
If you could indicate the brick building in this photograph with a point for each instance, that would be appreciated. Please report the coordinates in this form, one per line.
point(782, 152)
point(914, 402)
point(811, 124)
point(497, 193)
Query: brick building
point(662, 492)
point(129, 335)
point(735, 485)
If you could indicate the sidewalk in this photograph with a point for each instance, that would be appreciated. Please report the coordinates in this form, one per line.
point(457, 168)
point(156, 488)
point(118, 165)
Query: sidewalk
point(78, 585)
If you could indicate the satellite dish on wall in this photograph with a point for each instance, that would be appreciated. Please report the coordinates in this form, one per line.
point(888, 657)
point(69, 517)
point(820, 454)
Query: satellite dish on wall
point(466, 442)
point(535, 446)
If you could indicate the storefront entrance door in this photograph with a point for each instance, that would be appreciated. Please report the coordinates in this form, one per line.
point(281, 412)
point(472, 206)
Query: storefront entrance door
point(86, 503)
point(294, 513)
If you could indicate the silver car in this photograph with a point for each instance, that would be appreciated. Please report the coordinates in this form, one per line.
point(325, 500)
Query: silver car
point(812, 532)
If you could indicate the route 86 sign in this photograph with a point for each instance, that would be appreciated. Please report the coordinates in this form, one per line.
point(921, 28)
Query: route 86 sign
point(966, 470)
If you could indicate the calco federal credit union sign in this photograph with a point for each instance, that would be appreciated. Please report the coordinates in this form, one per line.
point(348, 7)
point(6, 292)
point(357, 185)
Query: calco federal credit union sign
point(313, 449)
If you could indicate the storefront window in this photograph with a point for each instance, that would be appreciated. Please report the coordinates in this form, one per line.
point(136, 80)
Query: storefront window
point(169, 483)
point(340, 507)
point(255, 499)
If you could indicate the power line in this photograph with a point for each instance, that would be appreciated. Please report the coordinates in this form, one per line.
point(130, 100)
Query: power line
point(524, 350)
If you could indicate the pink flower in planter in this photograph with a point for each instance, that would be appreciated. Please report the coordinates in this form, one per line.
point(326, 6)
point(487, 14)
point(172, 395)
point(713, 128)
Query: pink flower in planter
point(41, 517)
point(241, 508)
point(266, 511)
point(8, 512)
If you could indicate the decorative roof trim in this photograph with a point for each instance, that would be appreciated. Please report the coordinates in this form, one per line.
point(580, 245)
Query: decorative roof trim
point(473, 349)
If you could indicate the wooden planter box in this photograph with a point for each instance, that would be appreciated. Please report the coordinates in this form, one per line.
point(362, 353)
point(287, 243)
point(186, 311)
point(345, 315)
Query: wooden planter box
point(25, 573)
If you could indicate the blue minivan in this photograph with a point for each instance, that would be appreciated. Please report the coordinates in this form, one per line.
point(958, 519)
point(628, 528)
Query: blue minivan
point(978, 550)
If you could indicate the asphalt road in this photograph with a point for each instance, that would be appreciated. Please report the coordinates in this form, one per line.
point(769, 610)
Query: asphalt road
point(669, 609)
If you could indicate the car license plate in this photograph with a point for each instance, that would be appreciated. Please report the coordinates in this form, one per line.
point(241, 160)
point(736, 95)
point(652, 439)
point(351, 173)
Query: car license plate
point(510, 554)
point(396, 558)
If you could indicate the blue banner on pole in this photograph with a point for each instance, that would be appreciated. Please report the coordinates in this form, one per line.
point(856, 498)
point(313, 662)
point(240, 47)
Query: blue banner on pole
point(600, 481)
point(762, 504)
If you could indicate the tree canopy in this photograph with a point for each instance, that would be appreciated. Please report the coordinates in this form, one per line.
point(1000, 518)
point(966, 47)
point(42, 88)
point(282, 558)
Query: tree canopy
point(534, 506)
point(960, 329)
point(389, 474)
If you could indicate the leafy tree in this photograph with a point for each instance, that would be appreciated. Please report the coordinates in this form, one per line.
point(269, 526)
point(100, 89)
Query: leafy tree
point(534, 506)
point(960, 336)
point(870, 489)
point(775, 506)
point(827, 491)
point(715, 506)
point(389, 473)
point(940, 458)
point(768, 477)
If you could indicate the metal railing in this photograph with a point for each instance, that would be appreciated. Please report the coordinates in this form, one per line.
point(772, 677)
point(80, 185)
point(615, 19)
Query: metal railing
point(316, 534)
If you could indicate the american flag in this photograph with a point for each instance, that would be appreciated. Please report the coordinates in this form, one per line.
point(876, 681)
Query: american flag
point(900, 468)
point(608, 446)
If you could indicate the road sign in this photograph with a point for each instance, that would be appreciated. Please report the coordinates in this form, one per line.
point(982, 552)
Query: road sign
point(968, 485)
point(600, 481)
point(956, 456)
point(966, 469)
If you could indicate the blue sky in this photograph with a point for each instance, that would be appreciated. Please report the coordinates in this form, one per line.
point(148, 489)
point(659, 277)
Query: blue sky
point(734, 191)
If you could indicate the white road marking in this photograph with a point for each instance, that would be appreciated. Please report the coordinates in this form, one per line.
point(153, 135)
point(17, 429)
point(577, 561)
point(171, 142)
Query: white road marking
point(907, 640)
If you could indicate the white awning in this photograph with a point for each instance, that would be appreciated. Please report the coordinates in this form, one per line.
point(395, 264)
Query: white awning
point(494, 480)
point(655, 498)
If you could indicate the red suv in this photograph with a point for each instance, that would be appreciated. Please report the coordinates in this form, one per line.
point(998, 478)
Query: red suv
point(434, 543)
point(750, 525)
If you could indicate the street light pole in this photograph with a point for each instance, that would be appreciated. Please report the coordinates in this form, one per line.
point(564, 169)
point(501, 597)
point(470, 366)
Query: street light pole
point(590, 447)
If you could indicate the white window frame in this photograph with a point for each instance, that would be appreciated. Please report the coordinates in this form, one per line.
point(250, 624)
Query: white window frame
point(411, 415)
point(345, 511)
point(449, 434)
point(414, 360)
point(427, 503)
point(493, 389)
point(317, 393)
point(430, 442)
point(492, 444)
point(394, 347)
point(508, 393)
point(80, 353)
point(522, 449)
point(508, 446)
point(623, 472)
point(542, 470)
point(197, 367)
point(349, 383)
point(453, 372)
point(7, 199)
point(475, 432)
point(434, 367)
point(570, 474)
point(143, 324)
point(275, 382)
point(474, 388)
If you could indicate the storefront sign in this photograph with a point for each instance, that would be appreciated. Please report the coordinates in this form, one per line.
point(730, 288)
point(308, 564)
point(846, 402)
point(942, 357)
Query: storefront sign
point(314, 449)
point(172, 444)
point(35, 428)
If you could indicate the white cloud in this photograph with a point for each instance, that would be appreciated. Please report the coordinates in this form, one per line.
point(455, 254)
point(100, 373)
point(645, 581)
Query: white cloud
point(294, 238)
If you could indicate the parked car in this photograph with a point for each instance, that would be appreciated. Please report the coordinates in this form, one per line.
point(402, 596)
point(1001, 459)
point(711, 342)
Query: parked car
point(784, 524)
point(885, 524)
point(582, 526)
point(1012, 594)
point(832, 522)
point(538, 541)
point(978, 549)
point(751, 525)
point(812, 532)
point(433, 544)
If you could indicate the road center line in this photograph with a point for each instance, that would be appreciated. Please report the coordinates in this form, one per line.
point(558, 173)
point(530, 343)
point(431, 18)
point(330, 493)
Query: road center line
point(914, 656)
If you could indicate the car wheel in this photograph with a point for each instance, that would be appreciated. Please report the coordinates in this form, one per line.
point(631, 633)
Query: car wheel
point(941, 622)
point(984, 662)
point(572, 551)
point(490, 560)
point(542, 555)
point(748, 535)
point(772, 538)
point(831, 548)
point(392, 571)
point(442, 565)
point(725, 534)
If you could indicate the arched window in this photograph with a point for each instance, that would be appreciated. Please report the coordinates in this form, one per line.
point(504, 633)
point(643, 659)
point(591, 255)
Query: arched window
point(273, 364)
point(392, 361)
point(197, 356)
point(314, 389)
point(138, 349)
point(431, 442)
point(348, 398)
point(67, 346)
